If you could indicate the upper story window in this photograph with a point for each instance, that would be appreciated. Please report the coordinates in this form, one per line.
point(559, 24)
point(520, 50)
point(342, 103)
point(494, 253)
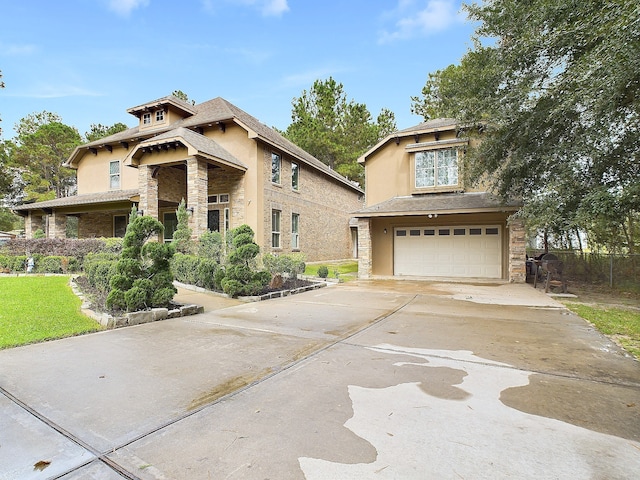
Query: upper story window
point(114, 175)
point(436, 168)
point(295, 176)
point(276, 164)
point(146, 119)
point(160, 116)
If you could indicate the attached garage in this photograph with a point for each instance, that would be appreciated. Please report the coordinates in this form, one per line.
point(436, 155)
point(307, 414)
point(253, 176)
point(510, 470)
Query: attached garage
point(473, 251)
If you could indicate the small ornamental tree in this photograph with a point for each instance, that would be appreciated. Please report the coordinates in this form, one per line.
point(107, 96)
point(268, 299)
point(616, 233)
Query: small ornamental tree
point(240, 277)
point(182, 236)
point(143, 276)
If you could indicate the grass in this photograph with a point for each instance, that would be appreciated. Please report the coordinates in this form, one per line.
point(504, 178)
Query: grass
point(346, 268)
point(38, 308)
point(621, 324)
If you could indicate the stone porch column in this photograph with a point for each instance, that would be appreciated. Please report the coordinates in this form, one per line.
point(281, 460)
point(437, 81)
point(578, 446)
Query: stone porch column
point(148, 185)
point(197, 189)
point(58, 225)
point(32, 223)
point(364, 248)
point(517, 251)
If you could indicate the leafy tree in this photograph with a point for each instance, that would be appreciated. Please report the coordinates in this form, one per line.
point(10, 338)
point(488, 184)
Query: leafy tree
point(143, 276)
point(334, 130)
point(183, 96)
point(42, 146)
point(555, 89)
point(98, 131)
point(182, 235)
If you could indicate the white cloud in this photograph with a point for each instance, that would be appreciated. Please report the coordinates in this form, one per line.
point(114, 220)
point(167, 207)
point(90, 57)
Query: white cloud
point(275, 7)
point(422, 18)
point(16, 49)
point(54, 91)
point(268, 8)
point(306, 79)
point(124, 7)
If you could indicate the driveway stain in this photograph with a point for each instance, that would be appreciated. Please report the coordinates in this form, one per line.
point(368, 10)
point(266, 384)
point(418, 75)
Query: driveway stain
point(229, 386)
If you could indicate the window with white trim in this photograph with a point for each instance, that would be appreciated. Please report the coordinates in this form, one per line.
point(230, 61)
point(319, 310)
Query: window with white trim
point(114, 175)
point(295, 231)
point(275, 228)
point(436, 168)
point(159, 115)
point(146, 119)
point(276, 164)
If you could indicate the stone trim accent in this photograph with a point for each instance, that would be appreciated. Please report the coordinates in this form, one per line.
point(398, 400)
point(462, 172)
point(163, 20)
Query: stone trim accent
point(517, 250)
point(148, 185)
point(364, 248)
point(197, 188)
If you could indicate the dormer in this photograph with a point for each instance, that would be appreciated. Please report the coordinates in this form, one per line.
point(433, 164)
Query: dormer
point(162, 112)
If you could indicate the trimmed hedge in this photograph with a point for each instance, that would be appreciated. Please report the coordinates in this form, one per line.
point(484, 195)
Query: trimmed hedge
point(61, 247)
point(194, 270)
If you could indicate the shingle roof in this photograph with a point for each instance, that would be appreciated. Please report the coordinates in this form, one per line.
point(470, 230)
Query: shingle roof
point(202, 144)
point(220, 110)
point(91, 198)
point(438, 203)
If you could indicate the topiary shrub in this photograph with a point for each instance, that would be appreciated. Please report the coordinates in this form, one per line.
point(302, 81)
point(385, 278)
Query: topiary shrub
point(240, 276)
point(323, 271)
point(142, 276)
point(182, 236)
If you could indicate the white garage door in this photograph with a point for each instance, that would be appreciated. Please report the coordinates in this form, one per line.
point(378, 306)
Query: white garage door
point(471, 251)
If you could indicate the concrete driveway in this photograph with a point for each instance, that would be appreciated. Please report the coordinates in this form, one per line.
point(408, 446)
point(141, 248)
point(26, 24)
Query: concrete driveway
point(380, 379)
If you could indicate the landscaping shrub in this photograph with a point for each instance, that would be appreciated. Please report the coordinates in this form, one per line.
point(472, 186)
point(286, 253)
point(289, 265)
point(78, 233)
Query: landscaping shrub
point(51, 264)
point(142, 276)
point(240, 275)
point(323, 271)
point(99, 268)
point(63, 247)
point(211, 246)
point(182, 236)
point(291, 264)
point(185, 268)
point(206, 273)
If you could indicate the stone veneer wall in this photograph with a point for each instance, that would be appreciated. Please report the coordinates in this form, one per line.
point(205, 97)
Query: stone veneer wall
point(172, 184)
point(324, 205)
point(92, 225)
point(517, 251)
point(364, 248)
point(231, 182)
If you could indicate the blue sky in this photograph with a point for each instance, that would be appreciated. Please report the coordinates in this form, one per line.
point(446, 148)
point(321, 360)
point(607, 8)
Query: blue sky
point(90, 60)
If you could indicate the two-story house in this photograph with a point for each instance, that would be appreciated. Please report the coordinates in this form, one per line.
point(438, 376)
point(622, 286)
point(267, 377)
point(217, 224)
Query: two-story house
point(230, 169)
point(421, 219)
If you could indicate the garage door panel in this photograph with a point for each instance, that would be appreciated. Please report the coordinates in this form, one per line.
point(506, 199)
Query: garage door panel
point(460, 251)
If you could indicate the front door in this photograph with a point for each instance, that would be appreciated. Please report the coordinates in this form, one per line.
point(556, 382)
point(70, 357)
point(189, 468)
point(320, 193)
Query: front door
point(213, 220)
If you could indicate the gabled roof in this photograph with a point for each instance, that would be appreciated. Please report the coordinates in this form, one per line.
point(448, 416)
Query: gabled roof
point(473, 202)
point(169, 101)
point(431, 126)
point(91, 198)
point(196, 145)
point(215, 112)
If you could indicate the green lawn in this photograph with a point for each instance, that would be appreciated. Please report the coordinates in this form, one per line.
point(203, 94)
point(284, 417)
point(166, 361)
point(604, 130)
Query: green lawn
point(621, 324)
point(347, 269)
point(33, 309)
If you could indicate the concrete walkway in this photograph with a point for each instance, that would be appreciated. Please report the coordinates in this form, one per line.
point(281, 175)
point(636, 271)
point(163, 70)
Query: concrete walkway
point(387, 379)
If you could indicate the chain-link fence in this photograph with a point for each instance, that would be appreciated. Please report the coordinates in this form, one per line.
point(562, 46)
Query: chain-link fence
point(616, 271)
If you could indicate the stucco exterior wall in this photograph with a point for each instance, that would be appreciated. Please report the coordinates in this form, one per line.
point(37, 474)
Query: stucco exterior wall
point(389, 169)
point(93, 171)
